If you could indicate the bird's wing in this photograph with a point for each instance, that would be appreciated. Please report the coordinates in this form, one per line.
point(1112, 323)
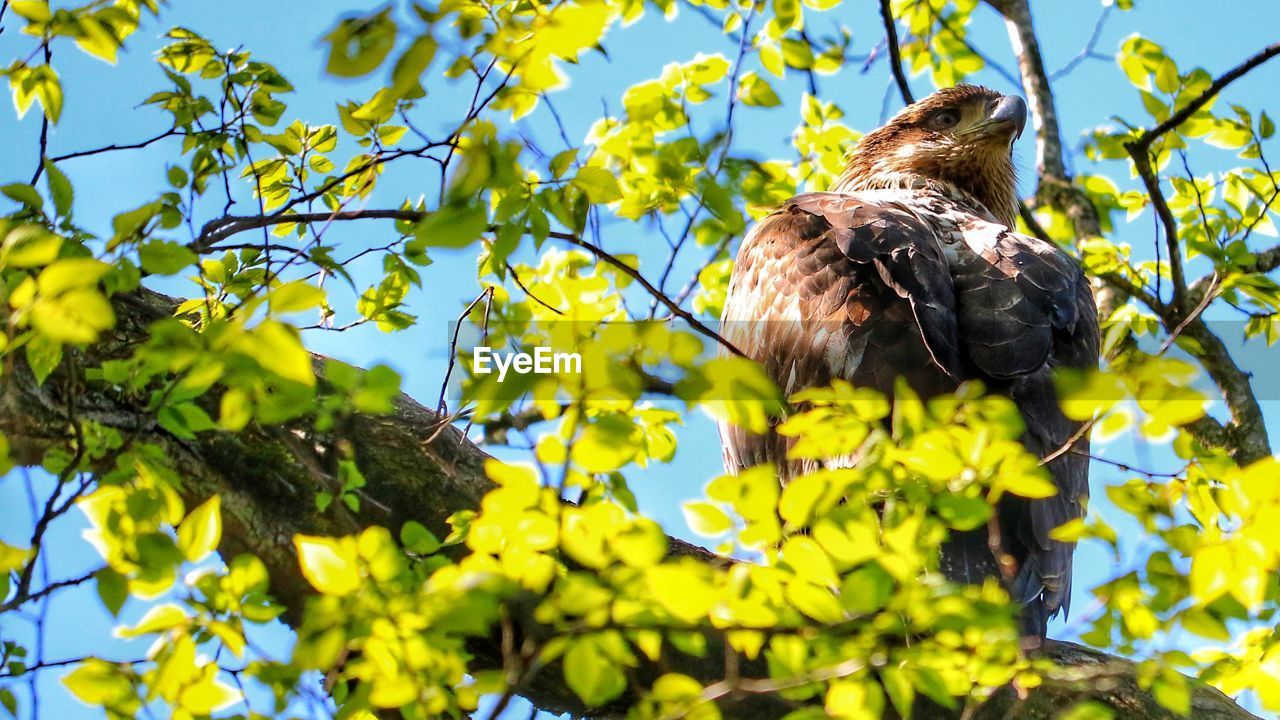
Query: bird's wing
point(872, 285)
point(851, 286)
point(1025, 308)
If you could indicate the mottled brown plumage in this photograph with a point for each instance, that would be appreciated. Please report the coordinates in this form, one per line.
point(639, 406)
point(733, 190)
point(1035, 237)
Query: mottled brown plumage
point(909, 268)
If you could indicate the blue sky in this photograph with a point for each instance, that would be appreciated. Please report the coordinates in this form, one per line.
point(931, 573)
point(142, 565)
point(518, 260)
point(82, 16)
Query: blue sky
point(103, 106)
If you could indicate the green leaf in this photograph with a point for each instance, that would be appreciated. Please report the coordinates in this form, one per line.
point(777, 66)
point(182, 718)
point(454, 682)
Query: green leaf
point(34, 10)
point(1088, 710)
point(706, 519)
point(59, 188)
point(201, 531)
point(277, 348)
point(98, 682)
point(453, 226)
point(962, 512)
point(75, 316)
point(44, 354)
point(1029, 484)
point(12, 558)
point(410, 66)
point(24, 194)
point(389, 135)
point(607, 444)
point(930, 682)
point(1171, 691)
point(416, 538)
point(867, 589)
point(329, 564)
point(599, 184)
point(797, 53)
point(809, 561)
point(815, 601)
point(113, 589)
point(101, 39)
point(36, 83)
point(129, 223)
point(295, 296)
point(755, 90)
point(184, 419)
point(165, 257)
point(561, 163)
point(591, 674)
point(29, 245)
point(235, 410)
point(683, 590)
point(357, 46)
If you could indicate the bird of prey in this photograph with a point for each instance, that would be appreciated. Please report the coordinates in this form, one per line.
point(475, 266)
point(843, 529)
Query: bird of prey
point(910, 267)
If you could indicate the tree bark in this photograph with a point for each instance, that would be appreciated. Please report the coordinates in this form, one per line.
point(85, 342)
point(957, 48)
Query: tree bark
point(268, 478)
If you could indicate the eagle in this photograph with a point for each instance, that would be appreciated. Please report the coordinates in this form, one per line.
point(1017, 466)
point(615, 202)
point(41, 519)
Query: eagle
point(910, 269)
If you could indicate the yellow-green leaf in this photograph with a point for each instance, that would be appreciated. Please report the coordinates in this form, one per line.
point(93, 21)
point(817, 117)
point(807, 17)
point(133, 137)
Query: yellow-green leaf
point(200, 532)
point(755, 90)
point(599, 184)
point(329, 564)
point(706, 519)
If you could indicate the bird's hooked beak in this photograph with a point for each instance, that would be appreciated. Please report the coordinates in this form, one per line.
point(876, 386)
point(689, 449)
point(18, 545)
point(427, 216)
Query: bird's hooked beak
point(1008, 111)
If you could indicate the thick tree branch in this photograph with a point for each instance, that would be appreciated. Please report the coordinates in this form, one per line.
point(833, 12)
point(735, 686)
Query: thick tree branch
point(1035, 81)
point(1245, 436)
point(417, 469)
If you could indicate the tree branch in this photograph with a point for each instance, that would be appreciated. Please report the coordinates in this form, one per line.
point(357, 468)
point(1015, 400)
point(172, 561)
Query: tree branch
point(1245, 436)
point(1210, 93)
point(418, 467)
point(1035, 81)
point(895, 53)
point(1141, 157)
point(226, 226)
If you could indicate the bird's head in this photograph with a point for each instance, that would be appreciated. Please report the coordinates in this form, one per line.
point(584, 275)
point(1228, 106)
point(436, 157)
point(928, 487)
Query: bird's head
point(961, 137)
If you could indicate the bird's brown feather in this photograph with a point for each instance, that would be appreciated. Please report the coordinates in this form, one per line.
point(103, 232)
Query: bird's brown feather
point(922, 283)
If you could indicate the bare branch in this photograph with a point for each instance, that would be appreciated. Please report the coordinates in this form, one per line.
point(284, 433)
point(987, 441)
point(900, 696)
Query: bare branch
point(895, 53)
point(1210, 93)
point(1142, 163)
point(1087, 51)
point(229, 225)
point(171, 132)
point(1035, 82)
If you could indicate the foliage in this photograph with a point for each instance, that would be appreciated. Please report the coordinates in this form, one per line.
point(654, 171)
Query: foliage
point(833, 589)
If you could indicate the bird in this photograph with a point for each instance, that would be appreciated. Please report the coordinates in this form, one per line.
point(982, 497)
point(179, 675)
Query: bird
point(910, 268)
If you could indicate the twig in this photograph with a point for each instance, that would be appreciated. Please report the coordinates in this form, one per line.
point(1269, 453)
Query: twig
point(113, 147)
point(895, 53)
point(453, 348)
point(20, 600)
point(1140, 155)
point(635, 275)
point(1088, 50)
point(1210, 293)
point(516, 278)
point(1144, 141)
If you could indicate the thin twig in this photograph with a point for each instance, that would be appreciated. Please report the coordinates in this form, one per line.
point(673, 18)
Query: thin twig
point(1088, 50)
point(1144, 141)
point(895, 53)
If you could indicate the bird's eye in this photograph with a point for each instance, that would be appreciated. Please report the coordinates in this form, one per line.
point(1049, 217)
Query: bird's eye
point(944, 120)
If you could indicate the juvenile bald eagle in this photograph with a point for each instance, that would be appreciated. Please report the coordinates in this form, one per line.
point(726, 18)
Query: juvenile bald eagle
point(910, 267)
